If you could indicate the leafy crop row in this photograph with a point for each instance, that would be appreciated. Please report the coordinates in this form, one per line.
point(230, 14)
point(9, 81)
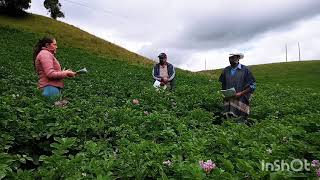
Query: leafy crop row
point(102, 134)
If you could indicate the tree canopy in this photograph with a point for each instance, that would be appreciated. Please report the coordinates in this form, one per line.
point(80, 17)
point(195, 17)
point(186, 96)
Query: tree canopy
point(54, 8)
point(18, 7)
point(14, 7)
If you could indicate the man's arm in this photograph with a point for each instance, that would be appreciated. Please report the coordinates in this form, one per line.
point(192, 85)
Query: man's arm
point(251, 84)
point(222, 80)
point(244, 92)
point(155, 77)
point(173, 74)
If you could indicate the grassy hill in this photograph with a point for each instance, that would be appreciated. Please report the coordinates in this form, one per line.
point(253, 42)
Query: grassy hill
point(101, 134)
point(70, 36)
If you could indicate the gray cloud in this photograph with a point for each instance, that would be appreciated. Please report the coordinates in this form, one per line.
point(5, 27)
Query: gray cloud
point(237, 23)
point(190, 31)
point(228, 25)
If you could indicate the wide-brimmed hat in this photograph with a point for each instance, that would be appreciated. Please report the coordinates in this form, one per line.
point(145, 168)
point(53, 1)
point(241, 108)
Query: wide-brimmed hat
point(237, 54)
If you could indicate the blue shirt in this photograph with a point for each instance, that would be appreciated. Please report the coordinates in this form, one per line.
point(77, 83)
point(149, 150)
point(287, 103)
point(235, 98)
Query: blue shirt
point(234, 70)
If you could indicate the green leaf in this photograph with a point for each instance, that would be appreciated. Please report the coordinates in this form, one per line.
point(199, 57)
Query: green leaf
point(244, 166)
point(228, 165)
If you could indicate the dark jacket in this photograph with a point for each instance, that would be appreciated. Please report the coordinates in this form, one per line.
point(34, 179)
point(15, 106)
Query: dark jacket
point(240, 81)
point(156, 72)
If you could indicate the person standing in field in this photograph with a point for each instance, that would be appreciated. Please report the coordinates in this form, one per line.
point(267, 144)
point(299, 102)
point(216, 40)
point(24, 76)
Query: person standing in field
point(48, 68)
point(164, 73)
point(240, 78)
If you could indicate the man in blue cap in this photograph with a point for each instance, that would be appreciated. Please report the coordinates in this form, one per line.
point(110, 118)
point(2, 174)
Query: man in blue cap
point(164, 72)
point(240, 78)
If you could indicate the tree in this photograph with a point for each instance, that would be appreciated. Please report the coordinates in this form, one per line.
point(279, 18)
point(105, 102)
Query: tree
point(54, 8)
point(14, 7)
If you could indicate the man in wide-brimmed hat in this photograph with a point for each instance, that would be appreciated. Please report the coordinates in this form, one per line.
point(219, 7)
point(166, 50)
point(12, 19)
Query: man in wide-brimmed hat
point(240, 78)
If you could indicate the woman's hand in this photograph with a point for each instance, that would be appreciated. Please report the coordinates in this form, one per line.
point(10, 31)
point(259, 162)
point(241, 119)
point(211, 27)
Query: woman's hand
point(69, 73)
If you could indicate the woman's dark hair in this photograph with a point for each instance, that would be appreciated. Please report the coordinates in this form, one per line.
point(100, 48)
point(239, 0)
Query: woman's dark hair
point(38, 47)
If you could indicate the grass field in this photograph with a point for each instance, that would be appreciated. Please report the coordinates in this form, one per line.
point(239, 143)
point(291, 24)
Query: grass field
point(101, 134)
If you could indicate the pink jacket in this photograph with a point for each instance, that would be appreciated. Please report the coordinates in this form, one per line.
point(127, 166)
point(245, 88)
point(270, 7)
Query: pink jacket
point(49, 70)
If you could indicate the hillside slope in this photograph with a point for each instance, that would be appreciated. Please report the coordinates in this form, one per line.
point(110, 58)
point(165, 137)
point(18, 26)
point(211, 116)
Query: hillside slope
point(101, 134)
point(70, 36)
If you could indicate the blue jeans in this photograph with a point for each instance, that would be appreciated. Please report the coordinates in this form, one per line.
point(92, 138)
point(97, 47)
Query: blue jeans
point(50, 91)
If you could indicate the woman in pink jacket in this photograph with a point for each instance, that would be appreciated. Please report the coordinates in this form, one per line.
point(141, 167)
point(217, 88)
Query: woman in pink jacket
point(48, 68)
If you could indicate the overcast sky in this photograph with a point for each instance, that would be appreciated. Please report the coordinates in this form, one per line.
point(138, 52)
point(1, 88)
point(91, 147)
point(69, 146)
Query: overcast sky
point(197, 31)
